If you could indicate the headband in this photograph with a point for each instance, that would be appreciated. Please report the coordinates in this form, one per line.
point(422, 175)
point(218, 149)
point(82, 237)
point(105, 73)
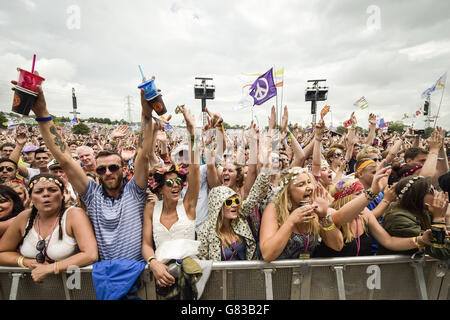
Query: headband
point(18, 181)
point(163, 170)
point(412, 170)
point(353, 188)
point(364, 165)
point(45, 179)
point(408, 185)
point(295, 172)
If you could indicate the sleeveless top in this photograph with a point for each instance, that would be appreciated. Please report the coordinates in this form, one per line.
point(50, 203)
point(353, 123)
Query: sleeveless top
point(57, 250)
point(298, 244)
point(184, 228)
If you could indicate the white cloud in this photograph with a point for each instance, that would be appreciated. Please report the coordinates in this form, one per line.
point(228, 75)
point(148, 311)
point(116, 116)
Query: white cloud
point(427, 50)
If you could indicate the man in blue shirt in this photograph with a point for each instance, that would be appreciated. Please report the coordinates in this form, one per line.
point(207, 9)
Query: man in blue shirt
point(114, 208)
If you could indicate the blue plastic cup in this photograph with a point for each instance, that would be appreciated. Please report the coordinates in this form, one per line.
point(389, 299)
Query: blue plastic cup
point(150, 89)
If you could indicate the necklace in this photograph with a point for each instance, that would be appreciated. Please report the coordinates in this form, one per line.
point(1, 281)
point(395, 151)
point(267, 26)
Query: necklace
point(51, 234)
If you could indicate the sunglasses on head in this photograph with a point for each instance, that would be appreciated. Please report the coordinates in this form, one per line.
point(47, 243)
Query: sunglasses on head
point(9, 169)
point(102, 169)
point(229, 202)
point(171, 182)
point(40, 246)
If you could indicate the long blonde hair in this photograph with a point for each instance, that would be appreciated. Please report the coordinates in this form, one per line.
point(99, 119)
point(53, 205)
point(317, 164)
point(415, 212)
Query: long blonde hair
point(220, 233)
point(345, 187)
point(283, 203)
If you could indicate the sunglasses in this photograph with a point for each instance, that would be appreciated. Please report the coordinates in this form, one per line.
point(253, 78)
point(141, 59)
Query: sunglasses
point(338, 155)
point(171, 182)
point(9, 169)
point(431, 190)
point(40, 246)
point(102, 169)
point(229, 202)
point(376, 159)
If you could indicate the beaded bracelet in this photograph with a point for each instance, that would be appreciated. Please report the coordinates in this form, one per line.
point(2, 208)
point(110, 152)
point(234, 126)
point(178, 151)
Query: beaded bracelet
point(370, 195)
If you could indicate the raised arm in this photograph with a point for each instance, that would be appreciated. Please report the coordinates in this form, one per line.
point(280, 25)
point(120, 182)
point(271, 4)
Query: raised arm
point(317, 154)
point(56, 144)
point(21, 139)
point(429, 167)
point(193, 177)
point(144, 146)
point(372, 129)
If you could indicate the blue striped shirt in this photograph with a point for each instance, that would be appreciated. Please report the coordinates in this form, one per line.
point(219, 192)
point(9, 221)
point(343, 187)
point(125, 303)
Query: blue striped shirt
point(117, 221)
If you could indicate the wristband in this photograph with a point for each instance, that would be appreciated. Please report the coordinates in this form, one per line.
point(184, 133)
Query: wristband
point(150, 259)
point(329, 228)
point(20, 262)
point(416, 243)
point(370, 196)
point(220, 128)
point(43, 119)
point(55, 268)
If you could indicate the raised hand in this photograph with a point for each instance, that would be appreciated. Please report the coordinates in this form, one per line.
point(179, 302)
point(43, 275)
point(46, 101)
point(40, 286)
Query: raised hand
point(216, 118)
point(321, 201)
point(381, 177)
point(119, 132)
point(372, 119)
point(273, 119)
point(438, 207)
point(284, 120)
point(40, 106)
point(188, 118)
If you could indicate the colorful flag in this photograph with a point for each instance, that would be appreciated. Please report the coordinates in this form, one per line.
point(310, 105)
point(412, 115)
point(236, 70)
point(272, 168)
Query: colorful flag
point(263, 88)
point(308, 130)
point(381, 123)
point(439, 84)
point(75, 121)
point(362, 103)
point(324, 111)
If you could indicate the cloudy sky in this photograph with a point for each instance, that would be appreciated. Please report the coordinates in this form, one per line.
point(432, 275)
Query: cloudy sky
point(387, 51)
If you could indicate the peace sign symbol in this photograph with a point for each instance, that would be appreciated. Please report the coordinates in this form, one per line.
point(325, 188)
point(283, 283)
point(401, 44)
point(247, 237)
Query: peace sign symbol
point(261, 92)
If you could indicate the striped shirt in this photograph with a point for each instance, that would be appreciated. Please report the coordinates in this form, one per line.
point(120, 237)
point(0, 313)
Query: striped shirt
point(118, 221)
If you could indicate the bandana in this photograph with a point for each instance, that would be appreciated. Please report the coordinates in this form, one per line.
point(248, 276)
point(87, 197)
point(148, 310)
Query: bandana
point(351, 189)
point(364, 165)
point(412, 170)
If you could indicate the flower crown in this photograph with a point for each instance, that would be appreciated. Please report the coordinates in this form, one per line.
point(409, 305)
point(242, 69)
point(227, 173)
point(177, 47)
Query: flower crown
point(294, 172)
point(160, 169)
point(408, 185)
point(44, 179)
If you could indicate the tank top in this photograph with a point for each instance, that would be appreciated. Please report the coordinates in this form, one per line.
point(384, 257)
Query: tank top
point(57, 250)
point(297, 245)
point(184, 228)
point(234, 252)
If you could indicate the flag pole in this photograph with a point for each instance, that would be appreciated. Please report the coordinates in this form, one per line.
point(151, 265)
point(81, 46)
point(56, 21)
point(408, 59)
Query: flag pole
point(439, 108)
point(282, 90)
point(276, 102)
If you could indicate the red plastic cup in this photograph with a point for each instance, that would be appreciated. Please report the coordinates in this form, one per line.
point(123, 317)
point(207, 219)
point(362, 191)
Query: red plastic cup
point(28, 80)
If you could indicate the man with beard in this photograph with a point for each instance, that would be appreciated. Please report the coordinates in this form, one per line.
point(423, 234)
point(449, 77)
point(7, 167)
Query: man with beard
point(8, 170)
point(114, 208)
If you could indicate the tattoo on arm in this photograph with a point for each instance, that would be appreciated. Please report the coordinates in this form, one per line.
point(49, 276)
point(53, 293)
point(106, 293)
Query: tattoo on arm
point(144, 123)
point(58, 139)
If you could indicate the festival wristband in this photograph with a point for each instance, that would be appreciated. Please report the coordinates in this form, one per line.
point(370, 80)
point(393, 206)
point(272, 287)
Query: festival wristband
point(150, 259)
point(43, 119)
point(329, 228)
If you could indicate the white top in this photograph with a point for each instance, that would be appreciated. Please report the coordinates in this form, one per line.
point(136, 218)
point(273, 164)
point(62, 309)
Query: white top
point(57, 250)
point(184, 228)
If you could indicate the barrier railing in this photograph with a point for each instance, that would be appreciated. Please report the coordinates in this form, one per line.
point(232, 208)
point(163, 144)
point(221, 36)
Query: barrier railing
point(390, 277)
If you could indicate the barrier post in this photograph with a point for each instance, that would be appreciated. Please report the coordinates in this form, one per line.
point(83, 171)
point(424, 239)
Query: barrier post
point(14, 285)
point(420, 279)
point(268, 283)
point(340, 281)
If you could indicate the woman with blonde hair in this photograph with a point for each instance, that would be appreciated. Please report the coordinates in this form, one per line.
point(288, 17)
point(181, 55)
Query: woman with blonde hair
point(290, 230)
point(19, 187)
point(358, 234)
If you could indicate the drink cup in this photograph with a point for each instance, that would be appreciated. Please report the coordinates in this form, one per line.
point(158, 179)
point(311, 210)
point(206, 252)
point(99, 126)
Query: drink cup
point(438, 233)
point(23, 100)
point(158, 105)
point(150, 89)
point(28, 80)
point(153, 97)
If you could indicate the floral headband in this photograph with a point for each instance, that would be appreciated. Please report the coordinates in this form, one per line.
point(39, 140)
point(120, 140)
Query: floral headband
point(412, 170)
point(45, 179)
point(295, 173)
point(408, 185)
point(351, 189)
point(163, 170)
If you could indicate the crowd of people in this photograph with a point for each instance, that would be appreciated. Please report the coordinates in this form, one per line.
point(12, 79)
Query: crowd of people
point(263, 194)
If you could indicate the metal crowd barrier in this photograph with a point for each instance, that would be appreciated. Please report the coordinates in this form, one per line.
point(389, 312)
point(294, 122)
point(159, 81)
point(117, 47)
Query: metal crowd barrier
point(390, 277)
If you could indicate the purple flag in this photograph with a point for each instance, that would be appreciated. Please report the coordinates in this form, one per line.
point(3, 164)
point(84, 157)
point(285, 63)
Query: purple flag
point(263, 88)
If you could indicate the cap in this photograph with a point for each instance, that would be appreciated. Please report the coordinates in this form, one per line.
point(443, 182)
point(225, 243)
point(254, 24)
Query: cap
point(53, 164)
point(27, 149)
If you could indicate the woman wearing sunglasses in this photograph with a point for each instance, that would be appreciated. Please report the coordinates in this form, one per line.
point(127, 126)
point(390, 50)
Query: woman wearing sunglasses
point(49, 237)
point(418, 207)
point(171, 218)
point(226, 235)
